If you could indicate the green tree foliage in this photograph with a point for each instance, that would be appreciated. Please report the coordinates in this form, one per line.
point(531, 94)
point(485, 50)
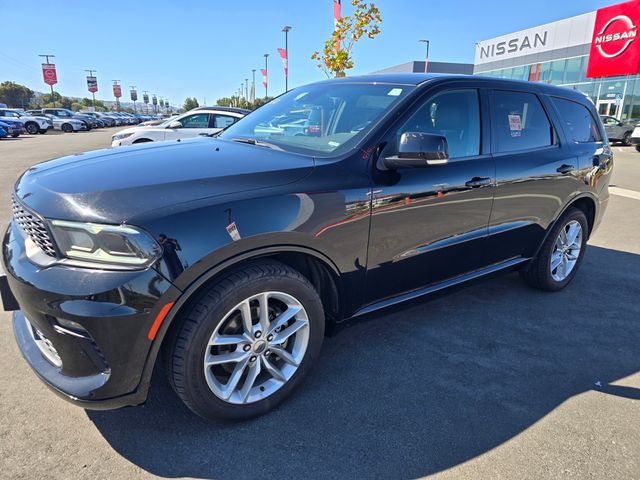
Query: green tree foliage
point(365, 21)
point(15, 95)
point(190, 104)
point(241, 102)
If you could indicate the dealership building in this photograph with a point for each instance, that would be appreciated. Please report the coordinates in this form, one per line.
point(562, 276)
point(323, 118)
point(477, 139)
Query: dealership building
point(597, 53)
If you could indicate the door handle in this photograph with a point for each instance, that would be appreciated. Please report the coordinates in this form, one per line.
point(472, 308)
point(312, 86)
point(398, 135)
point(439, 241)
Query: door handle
point(478, 182)
point(565, 168)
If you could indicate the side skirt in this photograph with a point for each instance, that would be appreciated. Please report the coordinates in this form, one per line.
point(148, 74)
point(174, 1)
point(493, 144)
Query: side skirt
point(452, 282)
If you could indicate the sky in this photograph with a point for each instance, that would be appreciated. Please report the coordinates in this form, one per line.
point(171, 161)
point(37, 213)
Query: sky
point(185, 48)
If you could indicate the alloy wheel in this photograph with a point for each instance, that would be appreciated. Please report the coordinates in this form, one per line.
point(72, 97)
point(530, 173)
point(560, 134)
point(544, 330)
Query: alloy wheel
point(256, 348)
point(566, 251)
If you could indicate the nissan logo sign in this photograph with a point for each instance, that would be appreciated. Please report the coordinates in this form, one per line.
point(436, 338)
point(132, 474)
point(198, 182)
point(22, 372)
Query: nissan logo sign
point(621, 30)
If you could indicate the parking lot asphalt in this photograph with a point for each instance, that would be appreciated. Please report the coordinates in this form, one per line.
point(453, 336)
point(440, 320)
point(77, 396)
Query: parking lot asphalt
point(495, 381)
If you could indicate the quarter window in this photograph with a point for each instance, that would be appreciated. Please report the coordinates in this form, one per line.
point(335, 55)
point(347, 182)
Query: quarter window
point(199, 120)
point(579, 123)
point(453, 114)
point(519, 122)
point(222, 121)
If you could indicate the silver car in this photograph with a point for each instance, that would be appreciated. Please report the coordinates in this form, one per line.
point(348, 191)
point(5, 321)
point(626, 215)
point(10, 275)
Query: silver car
point(618, 131)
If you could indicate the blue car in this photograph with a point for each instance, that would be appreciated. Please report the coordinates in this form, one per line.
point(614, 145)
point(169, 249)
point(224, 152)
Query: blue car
point(4, 130)
point(12, 127)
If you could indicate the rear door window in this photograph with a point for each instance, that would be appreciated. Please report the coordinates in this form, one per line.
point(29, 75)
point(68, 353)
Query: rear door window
point(578, 121)
point(199, 120)
point(519, 122)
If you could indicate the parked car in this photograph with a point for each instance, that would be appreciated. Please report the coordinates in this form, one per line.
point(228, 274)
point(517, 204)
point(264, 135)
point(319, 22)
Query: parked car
point(232, 256)
point(64, 114)
point(32, 124)
point(196, 122)
point(618, 131)
point(17, 127)
point(67, 125)
point(5, 128)
point(109, 120)
point(635, 137)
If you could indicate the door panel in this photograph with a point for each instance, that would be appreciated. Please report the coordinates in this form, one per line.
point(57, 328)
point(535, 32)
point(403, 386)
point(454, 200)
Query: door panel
point(532, 184)
point(429, 224)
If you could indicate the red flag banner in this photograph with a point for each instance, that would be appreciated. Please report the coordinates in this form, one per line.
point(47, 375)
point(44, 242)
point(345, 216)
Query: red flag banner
point(264, 77)
point(117, 91)
point(49, 73)
point(336, 18)
point(285, 60)
point(92, 84)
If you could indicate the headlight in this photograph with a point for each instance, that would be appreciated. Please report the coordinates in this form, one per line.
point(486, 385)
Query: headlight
point(122, 245)
point(121, 136)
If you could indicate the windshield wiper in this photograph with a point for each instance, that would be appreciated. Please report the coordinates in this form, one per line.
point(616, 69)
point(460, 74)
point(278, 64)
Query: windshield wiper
point(253, 141)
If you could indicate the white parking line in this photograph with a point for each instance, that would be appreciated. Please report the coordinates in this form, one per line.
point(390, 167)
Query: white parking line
point(623, 192)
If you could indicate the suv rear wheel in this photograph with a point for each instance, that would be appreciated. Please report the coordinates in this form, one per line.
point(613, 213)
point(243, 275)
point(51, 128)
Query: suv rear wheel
point(561, 254)
point(247, 342)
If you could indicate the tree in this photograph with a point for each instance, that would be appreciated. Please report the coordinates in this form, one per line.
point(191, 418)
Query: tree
point(241, 102)
point(190, 104)
point(15, 95)
point(335, 57)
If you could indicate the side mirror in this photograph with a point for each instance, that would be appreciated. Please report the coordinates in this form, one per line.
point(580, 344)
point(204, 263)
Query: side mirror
point(619, 124)
point(175, 124)
point(417, 149)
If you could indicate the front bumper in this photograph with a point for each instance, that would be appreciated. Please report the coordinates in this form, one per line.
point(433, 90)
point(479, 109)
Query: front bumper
point(102, 360)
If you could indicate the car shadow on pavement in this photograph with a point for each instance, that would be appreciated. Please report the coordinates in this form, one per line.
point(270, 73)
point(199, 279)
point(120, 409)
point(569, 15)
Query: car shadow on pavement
point(418, 389)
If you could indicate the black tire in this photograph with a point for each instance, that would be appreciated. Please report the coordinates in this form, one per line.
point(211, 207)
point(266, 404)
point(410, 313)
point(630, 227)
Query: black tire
point(142, 140)
point(43, 131)
point(32, 128)
point(67, 128)
point(626, 139)
point(538, 273)
point(184, 353)
point(15, 135)
point(638, 148)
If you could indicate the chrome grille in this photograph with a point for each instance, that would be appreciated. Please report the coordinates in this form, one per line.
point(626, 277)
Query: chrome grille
point(32, 226)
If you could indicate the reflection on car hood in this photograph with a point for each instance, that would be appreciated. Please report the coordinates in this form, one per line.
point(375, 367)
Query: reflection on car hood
point(114, 185)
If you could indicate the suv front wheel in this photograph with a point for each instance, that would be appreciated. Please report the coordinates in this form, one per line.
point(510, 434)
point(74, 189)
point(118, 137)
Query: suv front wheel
point(247, 342)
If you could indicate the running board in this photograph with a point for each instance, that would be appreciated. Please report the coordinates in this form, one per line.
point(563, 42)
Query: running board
point(452, 282)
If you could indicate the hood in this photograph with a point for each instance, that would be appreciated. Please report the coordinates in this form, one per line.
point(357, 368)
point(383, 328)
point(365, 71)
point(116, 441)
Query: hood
point(115, 185)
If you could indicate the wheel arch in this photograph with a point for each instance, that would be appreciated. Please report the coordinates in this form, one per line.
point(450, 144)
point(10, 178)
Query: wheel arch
point(586, 202)
point(315, 266)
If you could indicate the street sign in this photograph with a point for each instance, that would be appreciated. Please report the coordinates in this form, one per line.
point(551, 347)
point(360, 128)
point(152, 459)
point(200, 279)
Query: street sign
point(117, 91)
point(145, 98)
point(134, 95)
point(154, 100)
point(49, 73)
point(92, 84)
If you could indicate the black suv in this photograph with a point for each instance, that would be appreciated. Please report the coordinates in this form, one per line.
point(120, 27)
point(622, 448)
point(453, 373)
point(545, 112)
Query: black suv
point(231, 257)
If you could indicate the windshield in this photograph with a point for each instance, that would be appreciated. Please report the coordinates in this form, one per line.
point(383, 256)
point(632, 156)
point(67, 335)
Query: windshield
point(319, 119)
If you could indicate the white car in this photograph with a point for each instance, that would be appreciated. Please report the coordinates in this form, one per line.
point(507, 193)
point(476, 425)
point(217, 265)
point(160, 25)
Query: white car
point(32, 124)
point(201, 120)
point(67, 125)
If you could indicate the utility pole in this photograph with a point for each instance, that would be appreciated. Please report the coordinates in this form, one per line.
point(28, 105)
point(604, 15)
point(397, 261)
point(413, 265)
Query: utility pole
point(246, 84)
point(266, 72)
point(93, 94)
point(426, 59)
point(286, 31)
point(47, 57)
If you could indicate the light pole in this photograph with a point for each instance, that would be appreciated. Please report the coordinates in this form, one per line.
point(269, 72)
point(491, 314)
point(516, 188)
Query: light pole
point(286, 31)
point(253, 86)
point(115, 82)
point(133, 87)
point(426, 60)
point(93, 94)
point(52, 97)
point(266, 76)
point(246, 84)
